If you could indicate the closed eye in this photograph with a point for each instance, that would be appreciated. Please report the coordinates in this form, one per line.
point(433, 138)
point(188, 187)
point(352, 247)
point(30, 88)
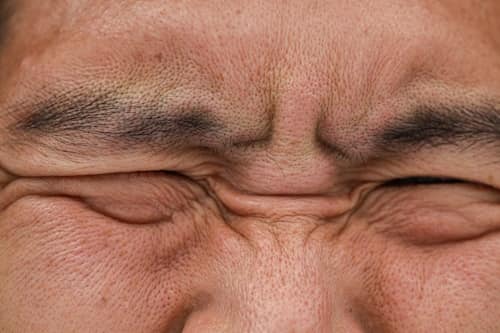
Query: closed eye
point(419, 180)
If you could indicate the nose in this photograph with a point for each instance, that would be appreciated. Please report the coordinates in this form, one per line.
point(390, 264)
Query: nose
point(287, 281)
point(283, 287)
point(324, 206)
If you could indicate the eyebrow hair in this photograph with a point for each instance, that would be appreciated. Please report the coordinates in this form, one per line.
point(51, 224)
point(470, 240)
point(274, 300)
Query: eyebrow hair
point(434, 126)
point(109, 118)
point(87, 120)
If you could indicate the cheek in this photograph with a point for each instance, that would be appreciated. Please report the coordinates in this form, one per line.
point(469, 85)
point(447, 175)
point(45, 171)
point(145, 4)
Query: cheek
point(57, 254)
point(465, 283)
point(434, 259)
point(406, 287)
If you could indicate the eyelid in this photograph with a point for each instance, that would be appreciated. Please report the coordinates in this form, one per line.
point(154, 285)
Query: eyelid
point(161, 192)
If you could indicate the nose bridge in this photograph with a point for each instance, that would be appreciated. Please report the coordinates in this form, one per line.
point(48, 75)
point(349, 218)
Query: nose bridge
point(292, 161)
point(249, 204)
point(270, 299)
point(286, 291)
point(282, 276)
point(287, 288)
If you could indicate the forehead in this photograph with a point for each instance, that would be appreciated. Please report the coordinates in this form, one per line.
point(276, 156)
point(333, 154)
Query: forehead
point(256, 48)
point(306, 23)
point(298, 28)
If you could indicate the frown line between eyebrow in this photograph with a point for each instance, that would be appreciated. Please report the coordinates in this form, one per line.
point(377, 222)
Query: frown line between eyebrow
point(108, 117)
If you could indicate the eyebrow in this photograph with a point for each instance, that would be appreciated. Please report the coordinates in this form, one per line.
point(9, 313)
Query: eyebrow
point(433, 126)
point(91, 119)
point(87, 120)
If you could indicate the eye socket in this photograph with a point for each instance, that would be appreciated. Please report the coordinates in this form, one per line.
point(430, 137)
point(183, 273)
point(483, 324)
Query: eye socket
point(421, 180)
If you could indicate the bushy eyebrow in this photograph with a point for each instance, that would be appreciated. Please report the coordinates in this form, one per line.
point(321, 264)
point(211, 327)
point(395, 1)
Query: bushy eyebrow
point(88, 120)
point(109, 117)
point(462, 126)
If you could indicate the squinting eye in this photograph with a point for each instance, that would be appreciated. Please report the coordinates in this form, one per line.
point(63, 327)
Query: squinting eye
point(416, 181)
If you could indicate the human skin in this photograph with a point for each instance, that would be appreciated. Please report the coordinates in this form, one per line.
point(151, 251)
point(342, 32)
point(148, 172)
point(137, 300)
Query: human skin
point(286, 219)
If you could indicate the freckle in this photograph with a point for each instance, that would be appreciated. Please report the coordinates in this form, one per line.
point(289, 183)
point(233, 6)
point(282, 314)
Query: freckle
point(104, 300)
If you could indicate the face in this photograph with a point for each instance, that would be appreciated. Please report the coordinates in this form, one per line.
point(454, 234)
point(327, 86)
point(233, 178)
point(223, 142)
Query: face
point(250, 166)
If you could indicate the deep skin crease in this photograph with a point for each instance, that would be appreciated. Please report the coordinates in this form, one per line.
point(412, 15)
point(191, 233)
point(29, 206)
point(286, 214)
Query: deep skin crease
point(250, 166)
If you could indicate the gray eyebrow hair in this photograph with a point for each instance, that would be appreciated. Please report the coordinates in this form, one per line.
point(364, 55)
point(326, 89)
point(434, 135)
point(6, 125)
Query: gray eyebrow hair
point(431, 126)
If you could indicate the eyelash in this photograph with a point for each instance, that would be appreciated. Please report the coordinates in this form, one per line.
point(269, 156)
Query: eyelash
point(419, 181)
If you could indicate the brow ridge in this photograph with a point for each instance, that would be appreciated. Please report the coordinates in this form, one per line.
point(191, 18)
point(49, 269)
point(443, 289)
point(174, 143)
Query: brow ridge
point(442, 125)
